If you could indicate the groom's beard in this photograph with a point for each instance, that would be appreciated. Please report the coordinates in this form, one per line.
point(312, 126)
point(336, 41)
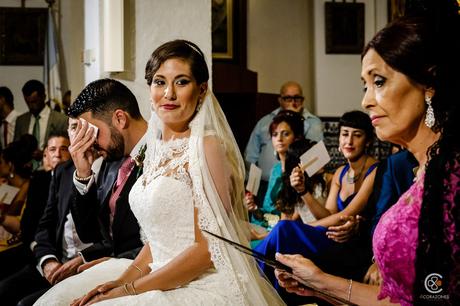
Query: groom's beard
point(116, 149)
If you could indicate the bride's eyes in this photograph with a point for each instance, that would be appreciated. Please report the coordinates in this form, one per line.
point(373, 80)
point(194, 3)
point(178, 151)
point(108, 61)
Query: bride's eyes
point(179, 82)
point(182, 82)
point(158, 82)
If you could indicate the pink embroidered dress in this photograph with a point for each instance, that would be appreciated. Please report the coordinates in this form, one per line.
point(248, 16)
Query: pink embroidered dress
point(395, 244)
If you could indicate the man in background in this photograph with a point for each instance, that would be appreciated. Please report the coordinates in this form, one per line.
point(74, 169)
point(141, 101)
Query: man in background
point(40, 121)
point(259, 149)
point(8, 116)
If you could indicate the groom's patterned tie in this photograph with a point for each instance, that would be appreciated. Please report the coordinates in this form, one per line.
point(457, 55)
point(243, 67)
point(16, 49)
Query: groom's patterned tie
point(123, 174)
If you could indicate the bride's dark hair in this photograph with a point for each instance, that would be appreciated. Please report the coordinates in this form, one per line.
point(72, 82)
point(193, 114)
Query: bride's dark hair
point(181, 49)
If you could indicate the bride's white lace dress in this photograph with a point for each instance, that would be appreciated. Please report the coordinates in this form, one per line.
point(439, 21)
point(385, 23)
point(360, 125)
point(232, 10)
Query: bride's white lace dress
point(163, 201)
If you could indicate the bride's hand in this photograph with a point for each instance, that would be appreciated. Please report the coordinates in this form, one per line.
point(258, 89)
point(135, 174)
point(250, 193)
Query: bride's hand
point(99, 293)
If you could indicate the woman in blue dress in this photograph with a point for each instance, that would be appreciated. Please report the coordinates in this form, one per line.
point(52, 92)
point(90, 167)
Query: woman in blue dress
point(350, 189)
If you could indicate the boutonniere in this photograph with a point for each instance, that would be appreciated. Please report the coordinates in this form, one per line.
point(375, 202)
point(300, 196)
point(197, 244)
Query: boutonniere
point(139, 159)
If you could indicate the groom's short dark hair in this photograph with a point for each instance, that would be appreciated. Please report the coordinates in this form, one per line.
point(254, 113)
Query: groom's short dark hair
point(102, 97)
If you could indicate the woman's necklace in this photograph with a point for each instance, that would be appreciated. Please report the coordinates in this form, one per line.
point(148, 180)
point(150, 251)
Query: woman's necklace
point(353, 179)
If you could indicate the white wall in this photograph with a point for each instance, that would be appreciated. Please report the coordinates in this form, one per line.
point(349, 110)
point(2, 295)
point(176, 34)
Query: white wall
point(337, 76)
point(331, 82)
point(280, 44)
point(92, 22)
point(156, 22)
point(70, 19)
point(72, 34)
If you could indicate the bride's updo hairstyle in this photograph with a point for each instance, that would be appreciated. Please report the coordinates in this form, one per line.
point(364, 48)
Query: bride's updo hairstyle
point(180, 49)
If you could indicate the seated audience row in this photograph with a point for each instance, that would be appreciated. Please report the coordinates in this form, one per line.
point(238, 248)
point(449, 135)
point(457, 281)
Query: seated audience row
point(411, 93)
point(106, 234)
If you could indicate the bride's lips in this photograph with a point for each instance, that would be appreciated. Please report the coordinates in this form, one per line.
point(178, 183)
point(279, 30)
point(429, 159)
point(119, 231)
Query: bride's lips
point(169, 106)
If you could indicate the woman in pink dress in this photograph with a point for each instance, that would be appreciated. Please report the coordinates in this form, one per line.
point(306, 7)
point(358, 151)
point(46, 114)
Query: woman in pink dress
point(410, 71)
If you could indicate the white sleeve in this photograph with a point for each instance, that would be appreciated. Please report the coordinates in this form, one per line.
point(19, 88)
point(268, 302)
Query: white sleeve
point(82, 187)
point(42, 260)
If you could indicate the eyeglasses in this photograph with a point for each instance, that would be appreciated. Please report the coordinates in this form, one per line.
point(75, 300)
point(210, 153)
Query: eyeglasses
point(289, 99)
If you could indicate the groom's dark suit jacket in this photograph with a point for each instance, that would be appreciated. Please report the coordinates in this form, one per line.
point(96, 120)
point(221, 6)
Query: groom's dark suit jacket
point(91, 214)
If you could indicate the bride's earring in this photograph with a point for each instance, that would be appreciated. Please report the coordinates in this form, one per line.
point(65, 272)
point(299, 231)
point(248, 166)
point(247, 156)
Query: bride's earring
point(198, 106)
point(429, 117)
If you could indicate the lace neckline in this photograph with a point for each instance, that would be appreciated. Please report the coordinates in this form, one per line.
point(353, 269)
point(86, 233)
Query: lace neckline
point(170, 158)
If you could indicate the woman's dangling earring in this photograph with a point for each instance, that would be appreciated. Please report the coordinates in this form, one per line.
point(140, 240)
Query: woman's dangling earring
point(11, 175)
point(429, 117)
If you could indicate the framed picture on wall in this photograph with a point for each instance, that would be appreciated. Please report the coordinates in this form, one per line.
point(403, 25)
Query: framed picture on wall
point(22, 32)
point(344, 27)
point(222, 29)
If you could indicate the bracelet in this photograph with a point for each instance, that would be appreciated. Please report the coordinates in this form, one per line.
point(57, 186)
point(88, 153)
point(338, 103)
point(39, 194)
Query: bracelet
point(125, 286)
point(302, 193)
point(134, 289)
point(137, 268)
point(84, 179)
point(350, 284)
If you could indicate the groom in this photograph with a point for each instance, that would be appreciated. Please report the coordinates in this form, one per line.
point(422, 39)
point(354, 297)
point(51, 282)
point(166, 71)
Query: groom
point(114, 126)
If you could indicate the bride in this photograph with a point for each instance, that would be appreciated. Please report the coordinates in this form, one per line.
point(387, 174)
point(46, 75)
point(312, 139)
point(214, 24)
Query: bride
point(192, 181)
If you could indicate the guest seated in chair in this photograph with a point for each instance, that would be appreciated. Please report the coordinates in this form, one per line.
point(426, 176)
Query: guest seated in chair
point(259, 149)
point(15, 172)
point(350, 189)
point(286, 127)
point(411, 93)
point(57, 152)
point(288, 202)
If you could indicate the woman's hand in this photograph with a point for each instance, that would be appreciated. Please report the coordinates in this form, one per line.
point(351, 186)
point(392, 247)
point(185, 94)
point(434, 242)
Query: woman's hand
point(102, 292)
point(348, 228)
point(297, 179)
point(303, 271)
point(373, 276)
point(92, 263)
point(250, 201)
point(255, 235)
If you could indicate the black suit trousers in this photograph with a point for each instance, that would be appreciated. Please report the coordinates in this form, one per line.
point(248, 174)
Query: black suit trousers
point(22, 284)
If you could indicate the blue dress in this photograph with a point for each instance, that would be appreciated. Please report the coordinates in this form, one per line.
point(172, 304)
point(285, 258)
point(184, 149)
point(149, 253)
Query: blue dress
point(296, 237)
